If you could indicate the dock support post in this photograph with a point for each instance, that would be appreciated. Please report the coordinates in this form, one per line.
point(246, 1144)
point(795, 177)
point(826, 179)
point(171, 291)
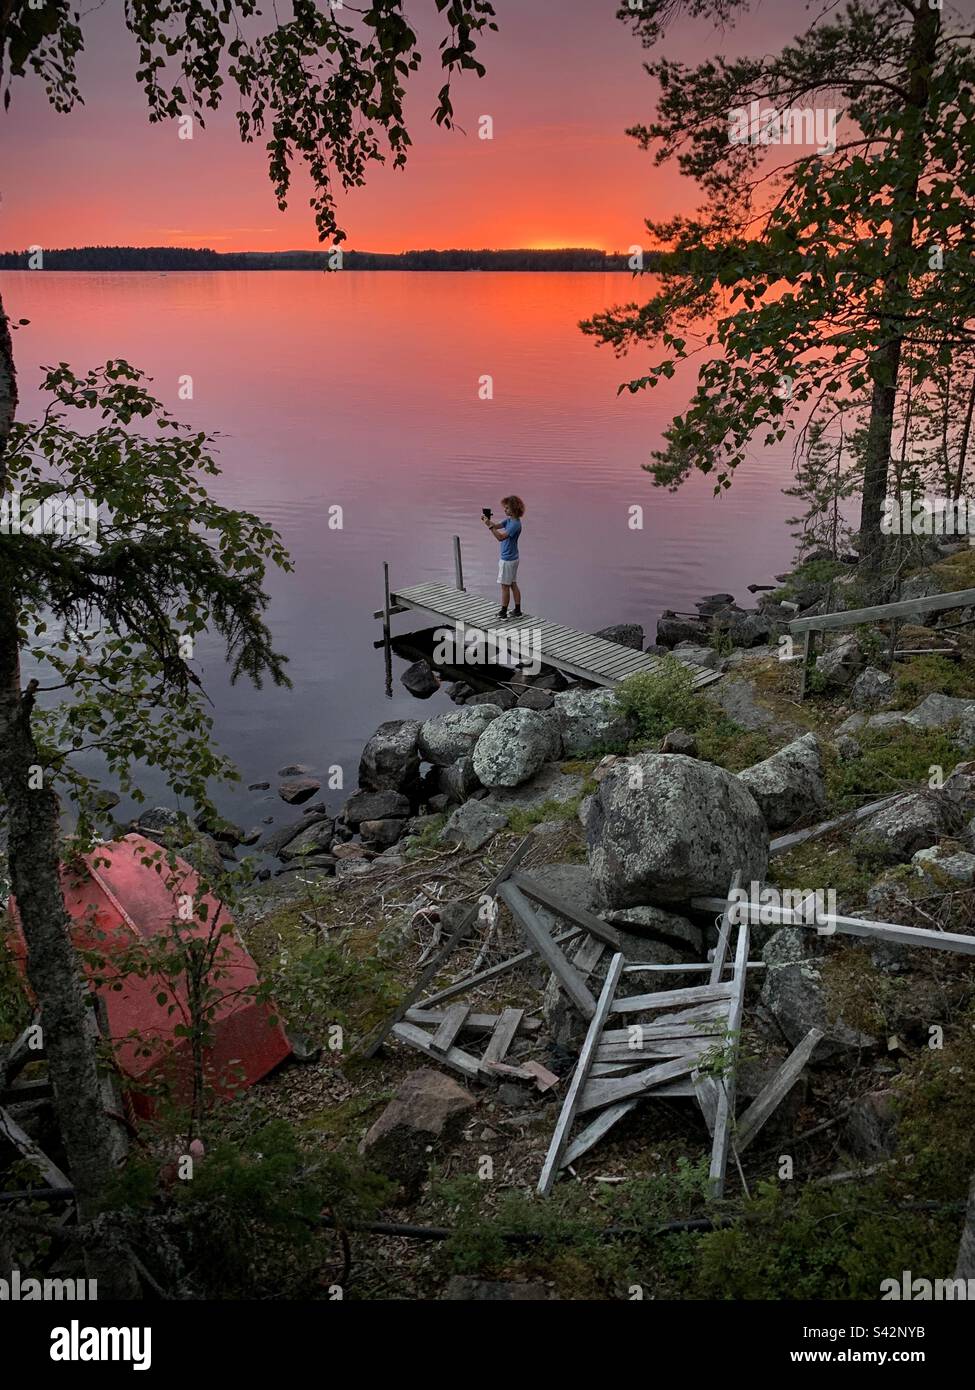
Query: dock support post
point(458, 566)
point(387, 645)
point(808, 658)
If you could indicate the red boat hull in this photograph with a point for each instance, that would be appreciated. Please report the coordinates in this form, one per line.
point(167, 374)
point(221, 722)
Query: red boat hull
point(125, 894)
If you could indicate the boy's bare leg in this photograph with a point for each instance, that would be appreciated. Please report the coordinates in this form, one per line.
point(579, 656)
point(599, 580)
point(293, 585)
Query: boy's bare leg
point(516, 593)
point(505, 594)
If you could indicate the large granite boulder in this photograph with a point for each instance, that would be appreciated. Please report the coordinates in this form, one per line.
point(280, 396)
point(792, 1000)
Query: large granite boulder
point(448, 737)
point(672, 628)
point(515, 745)
point(390, 760)
point(591, 721)
point(664, 828)
point(898, 830)
point(789, 784)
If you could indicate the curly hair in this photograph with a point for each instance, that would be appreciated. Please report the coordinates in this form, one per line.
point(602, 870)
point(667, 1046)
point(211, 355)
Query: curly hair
point(514, 504)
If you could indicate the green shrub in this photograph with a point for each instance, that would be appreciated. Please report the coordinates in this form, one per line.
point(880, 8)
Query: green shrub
point(662, 700)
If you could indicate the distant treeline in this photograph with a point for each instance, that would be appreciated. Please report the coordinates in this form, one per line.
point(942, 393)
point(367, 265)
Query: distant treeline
point(179, 258)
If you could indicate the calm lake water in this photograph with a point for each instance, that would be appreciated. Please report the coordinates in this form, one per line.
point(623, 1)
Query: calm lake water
point(360, 390)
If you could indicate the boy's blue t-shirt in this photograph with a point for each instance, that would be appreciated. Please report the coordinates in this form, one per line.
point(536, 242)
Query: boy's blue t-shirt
point(509, 546)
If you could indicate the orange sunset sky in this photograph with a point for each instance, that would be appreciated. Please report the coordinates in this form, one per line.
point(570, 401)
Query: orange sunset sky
point(565, 79)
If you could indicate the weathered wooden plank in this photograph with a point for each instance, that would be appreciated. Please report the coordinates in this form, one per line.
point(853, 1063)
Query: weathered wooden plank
point(443, 1039)
point(784, 843)
point(577, 1085)
point(608, 1091)
point(459, 1060)
point(905, 608)
point(595, 926)
point(25, 1146)
point(476, 1023)
point(665, 999)
point(568, 977)
point(776, 1091)
point(492, 972)
point(659, 1047)
point(372, 1044)
point(828, 922)
point(701, 1021)
point(693, 967)
point(595, 1130)
point(725, 1109)
point(503, 1036)
point(706, 1091)
point(724, 932)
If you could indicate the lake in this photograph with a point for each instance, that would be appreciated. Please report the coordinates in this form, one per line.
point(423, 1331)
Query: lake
point(361, 390)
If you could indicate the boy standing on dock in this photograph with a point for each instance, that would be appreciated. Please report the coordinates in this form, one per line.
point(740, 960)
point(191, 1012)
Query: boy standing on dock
point(507, 532)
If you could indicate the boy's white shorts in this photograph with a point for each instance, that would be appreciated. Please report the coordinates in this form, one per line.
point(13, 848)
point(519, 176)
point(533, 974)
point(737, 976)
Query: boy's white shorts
point(507, 571)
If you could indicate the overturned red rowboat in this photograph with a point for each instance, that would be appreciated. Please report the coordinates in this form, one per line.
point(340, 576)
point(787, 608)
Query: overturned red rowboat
point(126, 893)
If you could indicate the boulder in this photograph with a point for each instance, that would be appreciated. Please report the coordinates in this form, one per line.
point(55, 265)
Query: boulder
point(842, 663)
point(938, 711)
point(515, 746)
point(549, 784)
point(534, 698)
point(624, 635)
point(459, 780)
point(426, 1114)
point(665, 827)
point(795, 993)
point(380, 834)
point(872, 688)
point(421, 680)
point(744, 629)
point(294, 770)
point(345, 852)
point(162, 821)
point(897, 831)
point(679, 741)
point(960, 786)
point(698, 655)
point(964, 733)
point(295, 790)
point(390, 760)
point(501, 696)
point(363, 805)
point(203, 854)
point(789, 784)
point(713, 603)
point(672, 629)
point(591, 721)
point(685, 938)
point(473, 825)
point(460, 691)
point(314, 839)
point(944, 868)
point(871, 1126)
point(447, 737)
point(275, 840)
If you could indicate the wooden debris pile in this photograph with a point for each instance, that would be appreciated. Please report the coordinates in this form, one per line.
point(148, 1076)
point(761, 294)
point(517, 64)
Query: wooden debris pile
point(661, 1044)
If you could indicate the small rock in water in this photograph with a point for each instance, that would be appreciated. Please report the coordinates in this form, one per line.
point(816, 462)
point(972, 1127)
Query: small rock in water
point(293, 770)
point(258, 786)
point(298, 789)
point(420, 680)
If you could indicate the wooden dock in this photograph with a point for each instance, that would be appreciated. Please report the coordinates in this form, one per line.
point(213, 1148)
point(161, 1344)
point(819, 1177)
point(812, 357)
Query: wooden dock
point(565, 648)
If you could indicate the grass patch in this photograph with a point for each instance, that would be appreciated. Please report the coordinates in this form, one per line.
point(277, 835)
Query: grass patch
point(889, 760)
point(521, 820)
point(930, 675)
